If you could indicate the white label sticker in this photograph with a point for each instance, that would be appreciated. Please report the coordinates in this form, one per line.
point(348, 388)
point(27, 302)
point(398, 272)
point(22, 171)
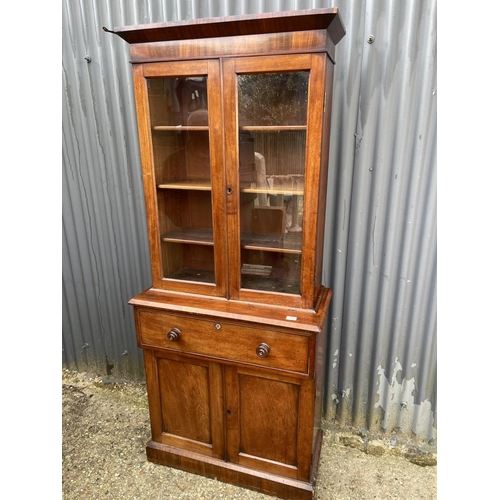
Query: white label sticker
point(291, 318)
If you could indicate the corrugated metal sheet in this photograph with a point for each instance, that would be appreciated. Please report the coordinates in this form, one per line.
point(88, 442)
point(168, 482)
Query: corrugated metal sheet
point(383, 365)
point(380, 253)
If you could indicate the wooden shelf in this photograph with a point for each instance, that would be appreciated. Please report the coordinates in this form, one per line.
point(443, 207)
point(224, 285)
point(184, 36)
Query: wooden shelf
point(281, 184)
point(272, 128)
point(269, 242)
point(176, 128)
point(191, 185)
point(194, 276)
point(273, 242)
point(205, 185)
point(265, 284)
point(190, 235)
point(280, 190)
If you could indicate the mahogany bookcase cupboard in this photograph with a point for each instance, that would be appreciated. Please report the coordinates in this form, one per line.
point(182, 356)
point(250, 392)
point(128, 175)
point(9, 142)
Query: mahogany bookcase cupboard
point(234, 126)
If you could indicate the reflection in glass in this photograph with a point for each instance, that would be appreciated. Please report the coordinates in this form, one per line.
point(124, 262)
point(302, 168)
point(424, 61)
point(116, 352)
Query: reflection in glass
point(273, 99)
point(272, 114)
point(181, 152)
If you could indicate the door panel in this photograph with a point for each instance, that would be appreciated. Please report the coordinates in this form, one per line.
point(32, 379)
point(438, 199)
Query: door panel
point(181, 148)
point(186, 403)
point(273, 114)
point(267, 424)
point(260, 420)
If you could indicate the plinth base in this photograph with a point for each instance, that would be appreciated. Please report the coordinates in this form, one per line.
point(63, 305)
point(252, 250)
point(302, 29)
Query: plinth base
point(269, 484)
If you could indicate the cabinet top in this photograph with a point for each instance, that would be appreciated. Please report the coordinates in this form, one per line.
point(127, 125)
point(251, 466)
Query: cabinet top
point(249, 24)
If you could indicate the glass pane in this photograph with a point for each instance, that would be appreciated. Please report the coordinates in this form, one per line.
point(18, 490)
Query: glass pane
point(272, 114)
point(181, 152)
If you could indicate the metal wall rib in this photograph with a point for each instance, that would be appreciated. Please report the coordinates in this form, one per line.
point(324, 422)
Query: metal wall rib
point(380, 250)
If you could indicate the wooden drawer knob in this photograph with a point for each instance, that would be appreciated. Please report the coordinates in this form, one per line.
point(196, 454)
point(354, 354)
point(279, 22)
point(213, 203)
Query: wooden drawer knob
point(262, 350)
point(174, 335)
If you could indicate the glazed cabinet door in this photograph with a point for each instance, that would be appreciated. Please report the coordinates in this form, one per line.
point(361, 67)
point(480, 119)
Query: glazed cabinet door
point(180, 132)
point(269, 421)
point(186, 402)
point(273, 113)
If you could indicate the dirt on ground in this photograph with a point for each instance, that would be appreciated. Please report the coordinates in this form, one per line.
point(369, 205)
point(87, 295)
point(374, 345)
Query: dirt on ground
point(105, 428)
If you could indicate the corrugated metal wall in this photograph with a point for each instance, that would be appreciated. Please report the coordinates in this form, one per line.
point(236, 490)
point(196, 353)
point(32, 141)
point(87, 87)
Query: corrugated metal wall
point(380, 255)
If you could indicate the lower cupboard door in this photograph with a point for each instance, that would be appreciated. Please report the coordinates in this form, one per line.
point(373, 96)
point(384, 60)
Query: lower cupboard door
point(269, 421)
point(186, 404)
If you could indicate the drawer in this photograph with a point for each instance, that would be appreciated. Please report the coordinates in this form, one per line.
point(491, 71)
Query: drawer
point(222, 340)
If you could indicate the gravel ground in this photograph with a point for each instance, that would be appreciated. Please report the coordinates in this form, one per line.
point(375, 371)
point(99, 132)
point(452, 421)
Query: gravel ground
point(105, 428)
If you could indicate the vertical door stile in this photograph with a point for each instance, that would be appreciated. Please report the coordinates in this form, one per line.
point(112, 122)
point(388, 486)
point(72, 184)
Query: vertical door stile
point(217, 409)
point(232, 420)
point(216, 126)
point(154, 398)
point(232, 181)
point(312, 175)
point(305, 428)
point(145, 144)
